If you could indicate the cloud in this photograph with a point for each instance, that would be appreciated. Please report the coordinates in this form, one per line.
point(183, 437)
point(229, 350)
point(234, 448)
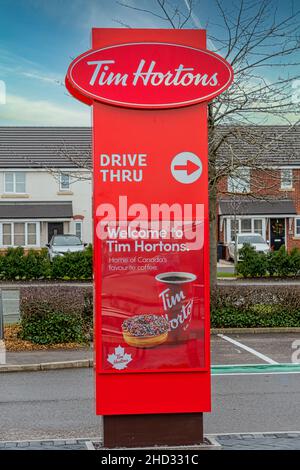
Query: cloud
point(196, 20)
point(42, 78)
point(17, 65)
point(78, 14)
point(194, 17)
point(11, 59)
point(22, 111)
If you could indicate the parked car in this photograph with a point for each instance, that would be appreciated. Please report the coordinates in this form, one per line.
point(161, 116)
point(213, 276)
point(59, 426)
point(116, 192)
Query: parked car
point(253, 239)
point(61, 244)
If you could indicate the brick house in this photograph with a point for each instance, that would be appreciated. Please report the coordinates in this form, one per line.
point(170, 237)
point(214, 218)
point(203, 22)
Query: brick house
point(263, 197)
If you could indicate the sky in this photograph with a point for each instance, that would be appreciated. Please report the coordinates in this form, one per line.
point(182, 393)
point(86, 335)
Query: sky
point(39, 39)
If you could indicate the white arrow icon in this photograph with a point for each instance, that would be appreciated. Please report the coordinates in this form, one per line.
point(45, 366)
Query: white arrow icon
point(186, 167)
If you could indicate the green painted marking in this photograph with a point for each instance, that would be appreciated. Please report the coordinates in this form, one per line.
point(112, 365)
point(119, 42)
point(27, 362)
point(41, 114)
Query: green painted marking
point(255, 368)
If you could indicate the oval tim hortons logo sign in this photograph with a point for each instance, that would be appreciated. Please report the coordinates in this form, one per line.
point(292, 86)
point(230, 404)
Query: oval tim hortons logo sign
point(148, 75)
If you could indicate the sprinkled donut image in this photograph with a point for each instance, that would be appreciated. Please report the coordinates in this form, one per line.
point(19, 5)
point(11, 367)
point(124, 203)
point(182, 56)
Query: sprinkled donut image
point(145, 331)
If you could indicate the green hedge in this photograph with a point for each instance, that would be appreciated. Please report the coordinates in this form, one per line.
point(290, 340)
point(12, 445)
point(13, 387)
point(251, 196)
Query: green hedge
point(51, 315)
point(73, 266)
point(64, 314)
point(255, 306)
point(15, 264)
point(275, 263)
point(52, 329)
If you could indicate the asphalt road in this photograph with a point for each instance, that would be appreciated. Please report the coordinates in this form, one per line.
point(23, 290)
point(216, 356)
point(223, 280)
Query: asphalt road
point(278, 347)
point(47, 404)
point(59, 404)
point(257, 403)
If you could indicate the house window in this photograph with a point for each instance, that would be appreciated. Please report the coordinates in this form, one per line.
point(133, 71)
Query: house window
point(286, 178)
point(258, 226)
point(31, 234)
point(245, 226)
point(64, 182)
point(248, 225)
point(19, 233)
point(7, 234)
point(78, 229)
point(297, 227)
point(14, 182)
point(232, 231)
point(239, 181)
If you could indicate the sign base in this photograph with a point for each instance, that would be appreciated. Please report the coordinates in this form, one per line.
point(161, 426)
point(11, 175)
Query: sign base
point(147, 430)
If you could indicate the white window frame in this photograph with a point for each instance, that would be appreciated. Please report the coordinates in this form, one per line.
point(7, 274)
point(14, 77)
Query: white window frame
point(13, 232)
point(297, 235)
point(37, 229)
point(263, 228)
point(60, 182)
point(79, 222)
point(26, 222)
point(1, 233)
point(289, 185)
point(239, 181)
point(229, 220)
point(14, 173)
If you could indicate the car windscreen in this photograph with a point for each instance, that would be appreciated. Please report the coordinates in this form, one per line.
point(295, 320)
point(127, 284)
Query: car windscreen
point(250, 239)
point(62, 240)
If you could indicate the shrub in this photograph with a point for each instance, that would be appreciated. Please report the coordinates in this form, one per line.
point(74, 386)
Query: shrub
point(17, 265)
point(52, 315)
point(73, 266)
point(271, 263)
point(281, 260)
point(255, 306)
point(12, 264)
point(252, 263)
point(37, 264)
point(275, 263)
point(62, 314)
point(53, 328)
point(295, 261)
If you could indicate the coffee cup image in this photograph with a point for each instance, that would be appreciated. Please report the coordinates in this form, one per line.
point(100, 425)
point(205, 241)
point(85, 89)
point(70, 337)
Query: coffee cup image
point(176, 295)
point(175, 277)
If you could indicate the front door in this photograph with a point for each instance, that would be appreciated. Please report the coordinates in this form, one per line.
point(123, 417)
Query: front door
point(277, 233)
point(55, 228)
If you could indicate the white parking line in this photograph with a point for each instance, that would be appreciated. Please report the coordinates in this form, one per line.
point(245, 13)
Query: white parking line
point(246, 348)
point(89, 445)
point(218, 374)
point(252, 433)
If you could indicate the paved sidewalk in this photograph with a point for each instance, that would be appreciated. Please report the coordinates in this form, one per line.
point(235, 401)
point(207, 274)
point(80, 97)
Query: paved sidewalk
point(254, 441)
point(264, 441)
point(54, 444)
point(228, 347)
point(46, 356)
point(224, 266)
point(32, 361)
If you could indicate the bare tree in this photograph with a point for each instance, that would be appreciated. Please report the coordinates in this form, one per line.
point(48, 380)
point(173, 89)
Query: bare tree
point(176, 14)
point(263, 46)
